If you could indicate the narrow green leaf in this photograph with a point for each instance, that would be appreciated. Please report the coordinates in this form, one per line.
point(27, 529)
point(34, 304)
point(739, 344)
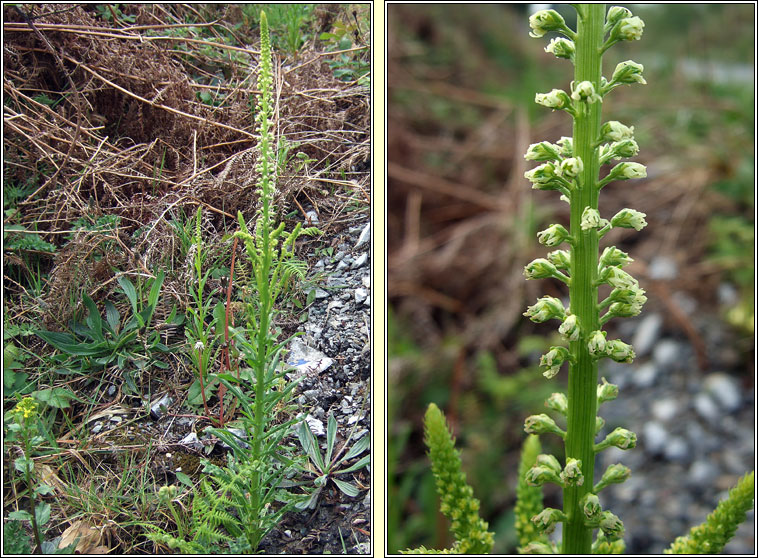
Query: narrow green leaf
point(155, 290)
point(131, 294)
point(112, 316)
point(94, 321)
point(358, 448)
point(347, 488)
point(362, 462)
point(310, 445)
point(331, 433)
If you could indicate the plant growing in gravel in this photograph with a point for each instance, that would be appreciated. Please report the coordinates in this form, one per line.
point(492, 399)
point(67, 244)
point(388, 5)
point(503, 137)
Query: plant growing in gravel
point(571, 166)
point(327, 465)
point(241, 502)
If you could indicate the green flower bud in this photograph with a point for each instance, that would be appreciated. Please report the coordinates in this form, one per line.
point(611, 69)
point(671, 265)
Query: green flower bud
point(614, 474)
point(542, 151)
point(585, 91)
point(167, 493)
point(616, 14)
point(561, 259)
point(545, 309)
point(617, 277)
point(613, 257)
point(628, 72)
point(544, 21)
point(558, 402)
point(614, 131)
point(619, 351)
point(571, 167)
point(621, 150)
point(606, 392)
point(630, 219)
point(596, 344)
point(625, 171)
point(542, 174)
point(538, 475)
point(591, 506)
point(561, 48)
point(622, 310)
point(591, 219)
point(566, 145)
point(630, 29)
point(570, 327)
point(553, 235)
point(540, 269)
point(553, 360)
point(549, 461)
point(542, 424)
point(547, 518)
point(621, 438)
point(572, 473)
point(557, 99)
point(611, 526)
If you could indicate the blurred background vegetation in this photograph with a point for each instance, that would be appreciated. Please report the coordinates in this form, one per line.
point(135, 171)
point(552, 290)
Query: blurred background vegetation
point(462, 222)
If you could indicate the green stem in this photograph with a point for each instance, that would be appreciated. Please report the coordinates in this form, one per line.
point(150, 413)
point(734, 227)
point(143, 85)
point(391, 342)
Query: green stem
point(582, 408)
point(32, 499)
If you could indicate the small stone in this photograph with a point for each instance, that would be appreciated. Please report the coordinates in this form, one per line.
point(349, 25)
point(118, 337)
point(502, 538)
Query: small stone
point(647, 333)
point(665, 409)
point(360, 295)
point(655, 437)
point(667, 353)
point(159, 407)
point(706, 407)
point(724, 391)
point(364, 236)
point(663, 267)
point(316, 426)
point(360, 261)
point(702, 473)
point(645, 375)
point(366, 281)
point(111, 390)
point(321, 293)
point(677, 450)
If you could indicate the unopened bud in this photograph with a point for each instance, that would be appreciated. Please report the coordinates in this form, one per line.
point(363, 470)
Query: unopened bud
point(558, 402)
point(544, 21)
point(570, 327)
point(572, 473)
point(630, 219)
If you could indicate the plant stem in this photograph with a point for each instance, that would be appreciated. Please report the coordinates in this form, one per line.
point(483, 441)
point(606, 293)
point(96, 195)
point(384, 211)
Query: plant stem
point(582, 388)
point(33, 502)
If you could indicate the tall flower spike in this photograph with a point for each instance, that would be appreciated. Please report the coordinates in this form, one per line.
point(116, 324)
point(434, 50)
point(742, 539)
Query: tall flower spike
point(577, 163)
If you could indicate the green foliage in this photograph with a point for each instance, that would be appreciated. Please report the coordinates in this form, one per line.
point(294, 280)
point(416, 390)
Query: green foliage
point(18, 239)
point(456, 496)
point(528, 498)
point(98, 342)
point(107, 12)
point(15, 539)
point(288, 23)
point(327, 466)
point(720, 526)
point(348, 66)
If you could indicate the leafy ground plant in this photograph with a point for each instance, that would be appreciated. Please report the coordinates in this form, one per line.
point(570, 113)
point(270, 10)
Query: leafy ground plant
point(571, 166)
point(239, 503)
point(327, 465)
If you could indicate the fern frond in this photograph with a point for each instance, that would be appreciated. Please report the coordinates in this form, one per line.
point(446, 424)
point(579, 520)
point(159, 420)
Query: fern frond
point(720, 526)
